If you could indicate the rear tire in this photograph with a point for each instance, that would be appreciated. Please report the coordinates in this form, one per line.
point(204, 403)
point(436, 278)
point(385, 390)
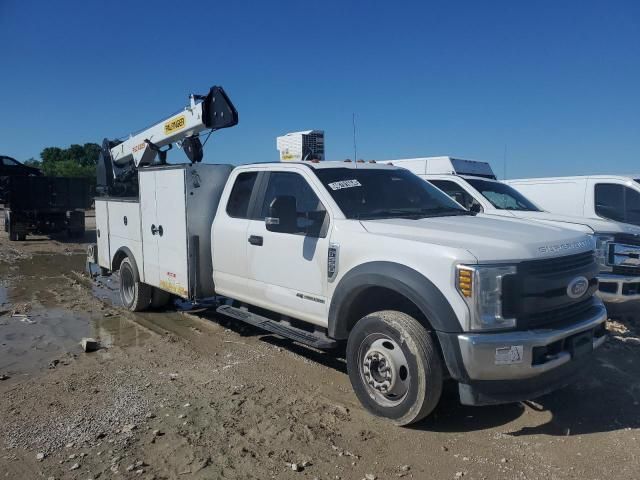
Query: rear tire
point(135, 295)
point(159, 298)
point(394, 366)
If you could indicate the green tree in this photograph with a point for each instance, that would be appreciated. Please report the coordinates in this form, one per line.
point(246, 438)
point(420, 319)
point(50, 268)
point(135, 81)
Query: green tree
point(32, 162)
point(75, 161)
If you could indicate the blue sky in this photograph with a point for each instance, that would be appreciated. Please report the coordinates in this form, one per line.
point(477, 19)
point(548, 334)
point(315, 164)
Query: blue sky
point(557, 82)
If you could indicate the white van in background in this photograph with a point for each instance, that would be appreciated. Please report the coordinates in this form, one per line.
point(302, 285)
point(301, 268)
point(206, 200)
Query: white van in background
point(610, 197)
point(474, 185)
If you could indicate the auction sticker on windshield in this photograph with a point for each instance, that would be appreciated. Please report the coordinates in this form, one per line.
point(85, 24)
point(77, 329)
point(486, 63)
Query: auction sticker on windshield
point(344, 184)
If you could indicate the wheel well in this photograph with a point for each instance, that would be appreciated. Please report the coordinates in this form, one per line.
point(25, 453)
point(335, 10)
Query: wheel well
point(374, 299)
point(117, 259)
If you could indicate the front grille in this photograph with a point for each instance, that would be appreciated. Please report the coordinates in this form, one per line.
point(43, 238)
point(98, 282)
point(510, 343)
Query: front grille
point(537, 295)
point(554, 266)
point(627, 239)
point(568, 314)
point(627, 271)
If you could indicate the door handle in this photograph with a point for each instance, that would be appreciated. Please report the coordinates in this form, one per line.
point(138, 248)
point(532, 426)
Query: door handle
point(154, 230)
point(255, 240)
point(160, 230)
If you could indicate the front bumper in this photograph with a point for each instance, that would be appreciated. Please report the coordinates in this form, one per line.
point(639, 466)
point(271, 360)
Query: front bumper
point(618, 288)
point(515, 366)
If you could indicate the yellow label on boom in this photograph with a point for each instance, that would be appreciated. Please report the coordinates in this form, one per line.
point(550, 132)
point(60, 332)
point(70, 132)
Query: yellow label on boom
point(175, 124)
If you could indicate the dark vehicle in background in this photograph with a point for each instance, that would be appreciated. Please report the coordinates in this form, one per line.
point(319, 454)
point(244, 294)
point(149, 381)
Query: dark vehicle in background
point(10, 167)
point(35, 204)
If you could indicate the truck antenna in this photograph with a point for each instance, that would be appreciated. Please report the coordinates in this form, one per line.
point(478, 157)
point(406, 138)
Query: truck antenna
point(355, 146)
point(504, 163)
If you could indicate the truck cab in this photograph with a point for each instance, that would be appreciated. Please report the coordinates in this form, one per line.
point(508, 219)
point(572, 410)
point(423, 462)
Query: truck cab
point(474, 186)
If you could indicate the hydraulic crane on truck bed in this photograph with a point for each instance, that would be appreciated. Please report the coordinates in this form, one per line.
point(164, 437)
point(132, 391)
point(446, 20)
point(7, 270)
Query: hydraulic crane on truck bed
point(120, 159)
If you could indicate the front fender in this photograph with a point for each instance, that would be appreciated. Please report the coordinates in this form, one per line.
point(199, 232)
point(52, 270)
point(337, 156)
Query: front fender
point(403, 280)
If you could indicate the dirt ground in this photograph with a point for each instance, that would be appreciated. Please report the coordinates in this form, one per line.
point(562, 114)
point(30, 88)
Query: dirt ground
point(186, 395)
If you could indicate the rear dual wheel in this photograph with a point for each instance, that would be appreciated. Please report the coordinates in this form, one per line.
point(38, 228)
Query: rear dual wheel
point(394, 366)
point(136, 295)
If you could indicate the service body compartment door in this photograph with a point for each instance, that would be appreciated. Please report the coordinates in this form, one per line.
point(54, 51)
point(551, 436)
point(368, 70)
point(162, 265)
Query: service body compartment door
point(173, 271)
point(102, 234)
point(149, 223)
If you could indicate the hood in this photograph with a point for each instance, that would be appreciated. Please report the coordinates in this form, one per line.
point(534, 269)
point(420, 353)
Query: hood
point(489, 239)
point(596, 225)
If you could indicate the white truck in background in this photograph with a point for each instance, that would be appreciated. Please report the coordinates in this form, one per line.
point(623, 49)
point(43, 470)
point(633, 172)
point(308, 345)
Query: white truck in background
point(420, 289)
point(474, 185)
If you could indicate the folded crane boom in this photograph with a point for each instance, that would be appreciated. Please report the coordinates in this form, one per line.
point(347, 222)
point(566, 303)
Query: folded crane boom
point(119, 160)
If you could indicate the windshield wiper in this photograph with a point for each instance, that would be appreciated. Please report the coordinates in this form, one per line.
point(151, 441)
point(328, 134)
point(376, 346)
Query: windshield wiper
point(413, 213)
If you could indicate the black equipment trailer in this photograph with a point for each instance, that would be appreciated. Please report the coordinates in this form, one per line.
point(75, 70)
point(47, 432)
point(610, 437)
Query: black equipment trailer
point(44, 205)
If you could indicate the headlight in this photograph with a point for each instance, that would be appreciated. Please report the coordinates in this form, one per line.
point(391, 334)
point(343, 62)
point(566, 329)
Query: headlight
point(603, 242)
point(481, 288)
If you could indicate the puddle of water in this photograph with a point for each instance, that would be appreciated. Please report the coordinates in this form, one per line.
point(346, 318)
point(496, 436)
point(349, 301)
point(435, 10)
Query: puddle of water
point(30, 343)
point(120, 331)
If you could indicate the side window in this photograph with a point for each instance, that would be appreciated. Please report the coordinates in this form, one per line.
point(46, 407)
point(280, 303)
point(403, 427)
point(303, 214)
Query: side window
point(610, 201)
point(238, 204)
point(311, 214)
point(456, 192)
point(632, 206)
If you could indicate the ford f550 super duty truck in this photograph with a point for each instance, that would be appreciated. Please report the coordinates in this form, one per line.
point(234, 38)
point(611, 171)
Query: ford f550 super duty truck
point(474, 185)
point(420, 289)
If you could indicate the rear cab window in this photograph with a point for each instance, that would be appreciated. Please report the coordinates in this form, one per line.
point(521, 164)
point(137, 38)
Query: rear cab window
point(240, 197)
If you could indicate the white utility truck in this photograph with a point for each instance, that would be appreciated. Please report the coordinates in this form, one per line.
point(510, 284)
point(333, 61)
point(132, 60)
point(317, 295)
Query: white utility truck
point(474, 185)
point(326, 253)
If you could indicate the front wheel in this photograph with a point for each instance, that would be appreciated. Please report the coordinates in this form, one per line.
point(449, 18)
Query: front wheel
point(135, 295)
point(394, 366)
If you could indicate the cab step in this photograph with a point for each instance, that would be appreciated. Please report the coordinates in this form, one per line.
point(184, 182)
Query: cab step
point(313, 339)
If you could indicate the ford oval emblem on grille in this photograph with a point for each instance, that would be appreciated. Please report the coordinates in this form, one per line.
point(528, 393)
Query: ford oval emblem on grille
point(578, 287)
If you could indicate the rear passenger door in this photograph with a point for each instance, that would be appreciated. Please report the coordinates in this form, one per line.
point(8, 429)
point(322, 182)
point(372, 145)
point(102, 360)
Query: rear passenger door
point(229, 242)
point(288, 271)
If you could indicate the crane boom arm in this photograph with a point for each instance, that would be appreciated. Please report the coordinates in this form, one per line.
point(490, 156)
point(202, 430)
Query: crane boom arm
point(209, 112)
point(119, 160)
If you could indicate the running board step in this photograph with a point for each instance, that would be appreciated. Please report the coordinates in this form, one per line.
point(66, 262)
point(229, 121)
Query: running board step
point(317, 339)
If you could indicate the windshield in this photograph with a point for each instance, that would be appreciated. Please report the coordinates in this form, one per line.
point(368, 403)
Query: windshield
point(370, 194)
point(502, 196)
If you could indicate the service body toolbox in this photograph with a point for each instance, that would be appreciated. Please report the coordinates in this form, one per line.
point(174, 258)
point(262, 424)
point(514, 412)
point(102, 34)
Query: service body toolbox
point(171, 222)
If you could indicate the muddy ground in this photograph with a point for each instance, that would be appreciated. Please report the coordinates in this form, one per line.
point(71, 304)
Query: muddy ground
point(187, 395)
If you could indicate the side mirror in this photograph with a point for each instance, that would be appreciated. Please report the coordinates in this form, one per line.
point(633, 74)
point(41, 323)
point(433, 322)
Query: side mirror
point(283, 216)
point(476, 208)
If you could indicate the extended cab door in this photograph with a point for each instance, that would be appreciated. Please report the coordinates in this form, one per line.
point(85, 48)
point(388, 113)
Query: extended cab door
point(287, 272)
point(229, 237)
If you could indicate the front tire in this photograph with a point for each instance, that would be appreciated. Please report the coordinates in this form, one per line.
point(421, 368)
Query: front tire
point(135, 295)
point(394, 366)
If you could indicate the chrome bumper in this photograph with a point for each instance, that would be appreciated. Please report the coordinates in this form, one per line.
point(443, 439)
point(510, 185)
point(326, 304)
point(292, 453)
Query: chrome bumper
point(616, 288)
point(510, 356)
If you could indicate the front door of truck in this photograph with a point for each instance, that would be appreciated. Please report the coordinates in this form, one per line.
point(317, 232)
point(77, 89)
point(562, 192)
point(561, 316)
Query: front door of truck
point(288, 271)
